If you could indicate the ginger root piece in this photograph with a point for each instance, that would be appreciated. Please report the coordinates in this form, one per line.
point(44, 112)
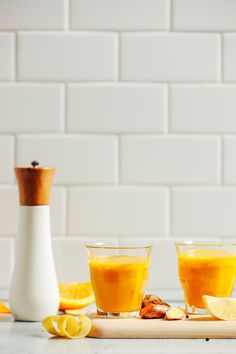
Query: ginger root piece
point(153, 311)
point(152, 299)
point(175, 313)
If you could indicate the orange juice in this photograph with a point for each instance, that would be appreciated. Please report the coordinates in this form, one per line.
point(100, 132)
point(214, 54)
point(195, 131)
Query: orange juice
point(206, 272)
point(118, 282)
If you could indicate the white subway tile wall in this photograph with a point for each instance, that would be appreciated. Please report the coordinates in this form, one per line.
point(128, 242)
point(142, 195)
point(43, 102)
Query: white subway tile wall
point(79, 159)
point(68, 56)
point(31, 108)
point(203, 109)
point(120, 14)
point(32, 14)
point(118, 211)
point(170, 159)
point(118, 108)
point(134, 102)
point(207, 211)
point(7, 56)
point(170, 57)
point(205, 15)
point(229, 57)
point(7, 147)
point(229, 148)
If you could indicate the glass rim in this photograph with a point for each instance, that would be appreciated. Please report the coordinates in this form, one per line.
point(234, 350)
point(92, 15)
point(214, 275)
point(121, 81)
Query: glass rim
point(202, 243)
point(100, 245)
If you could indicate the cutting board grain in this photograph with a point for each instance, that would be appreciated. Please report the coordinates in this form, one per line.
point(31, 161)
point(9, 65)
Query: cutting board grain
point(193, 327)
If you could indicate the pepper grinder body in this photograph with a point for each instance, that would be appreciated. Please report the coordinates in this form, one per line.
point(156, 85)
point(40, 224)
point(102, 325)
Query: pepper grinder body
point(34, 290)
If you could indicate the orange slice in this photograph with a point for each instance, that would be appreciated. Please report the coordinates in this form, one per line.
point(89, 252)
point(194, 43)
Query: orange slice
point(75, 295)
point(4, 308)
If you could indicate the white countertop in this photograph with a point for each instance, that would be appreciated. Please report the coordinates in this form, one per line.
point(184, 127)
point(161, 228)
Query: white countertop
point(30, 338)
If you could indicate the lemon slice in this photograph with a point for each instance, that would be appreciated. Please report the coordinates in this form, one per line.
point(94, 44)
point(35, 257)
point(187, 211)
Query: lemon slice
point(68, 326)
point(222, 308)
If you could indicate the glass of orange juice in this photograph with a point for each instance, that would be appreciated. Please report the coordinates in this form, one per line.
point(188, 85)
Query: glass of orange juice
point(205, 269)
point(118, 276)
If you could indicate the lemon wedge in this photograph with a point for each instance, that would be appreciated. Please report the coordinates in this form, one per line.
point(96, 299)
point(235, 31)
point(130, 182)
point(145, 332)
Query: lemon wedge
point(222, 308)
point(67, 326)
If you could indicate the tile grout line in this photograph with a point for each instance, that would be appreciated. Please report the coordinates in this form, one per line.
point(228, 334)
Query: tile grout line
point(171, 15)
point(64, 109)
point(119, 164)
point(141, 186)
point(119, 58)
point(15, 149)
point(222, 160)
point(16, 57)
point(114, 134)
point(124, 29)
point(66, 210)
point(169, 234)
point(67, 16)
point(219, 60)
point(124, 82)
point(222, 57)
point(168, 111)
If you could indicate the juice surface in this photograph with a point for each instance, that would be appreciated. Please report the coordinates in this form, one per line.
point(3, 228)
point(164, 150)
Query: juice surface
point(118, 282)
point(206, 272)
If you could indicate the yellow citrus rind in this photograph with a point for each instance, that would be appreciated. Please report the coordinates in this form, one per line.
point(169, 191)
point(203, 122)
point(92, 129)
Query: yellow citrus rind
point(49, 323)
point(220, 308)
point(66, 303)
point(68, 326)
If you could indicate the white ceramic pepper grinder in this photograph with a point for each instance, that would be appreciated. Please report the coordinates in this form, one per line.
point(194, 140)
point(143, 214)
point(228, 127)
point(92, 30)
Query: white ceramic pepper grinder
point(34, 290)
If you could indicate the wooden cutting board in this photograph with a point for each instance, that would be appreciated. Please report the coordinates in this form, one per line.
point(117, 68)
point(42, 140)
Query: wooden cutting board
point(195, 327)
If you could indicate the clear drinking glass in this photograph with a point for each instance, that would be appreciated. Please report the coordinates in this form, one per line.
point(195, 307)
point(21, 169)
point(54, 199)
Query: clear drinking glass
point(205, 269)
point(118, 276)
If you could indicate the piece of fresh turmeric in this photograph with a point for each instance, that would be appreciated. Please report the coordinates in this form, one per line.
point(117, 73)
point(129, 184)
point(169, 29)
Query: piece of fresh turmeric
point(153, 299)
point(153, 311)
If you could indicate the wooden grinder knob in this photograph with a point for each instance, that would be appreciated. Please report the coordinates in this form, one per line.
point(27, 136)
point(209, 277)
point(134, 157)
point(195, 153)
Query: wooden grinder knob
point(34, 184)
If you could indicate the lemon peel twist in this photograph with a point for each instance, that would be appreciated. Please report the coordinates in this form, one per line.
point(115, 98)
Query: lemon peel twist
point(67, 326)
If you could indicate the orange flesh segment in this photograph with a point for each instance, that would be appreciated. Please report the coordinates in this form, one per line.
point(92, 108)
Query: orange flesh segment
point(4, 308)
point(75, 295)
